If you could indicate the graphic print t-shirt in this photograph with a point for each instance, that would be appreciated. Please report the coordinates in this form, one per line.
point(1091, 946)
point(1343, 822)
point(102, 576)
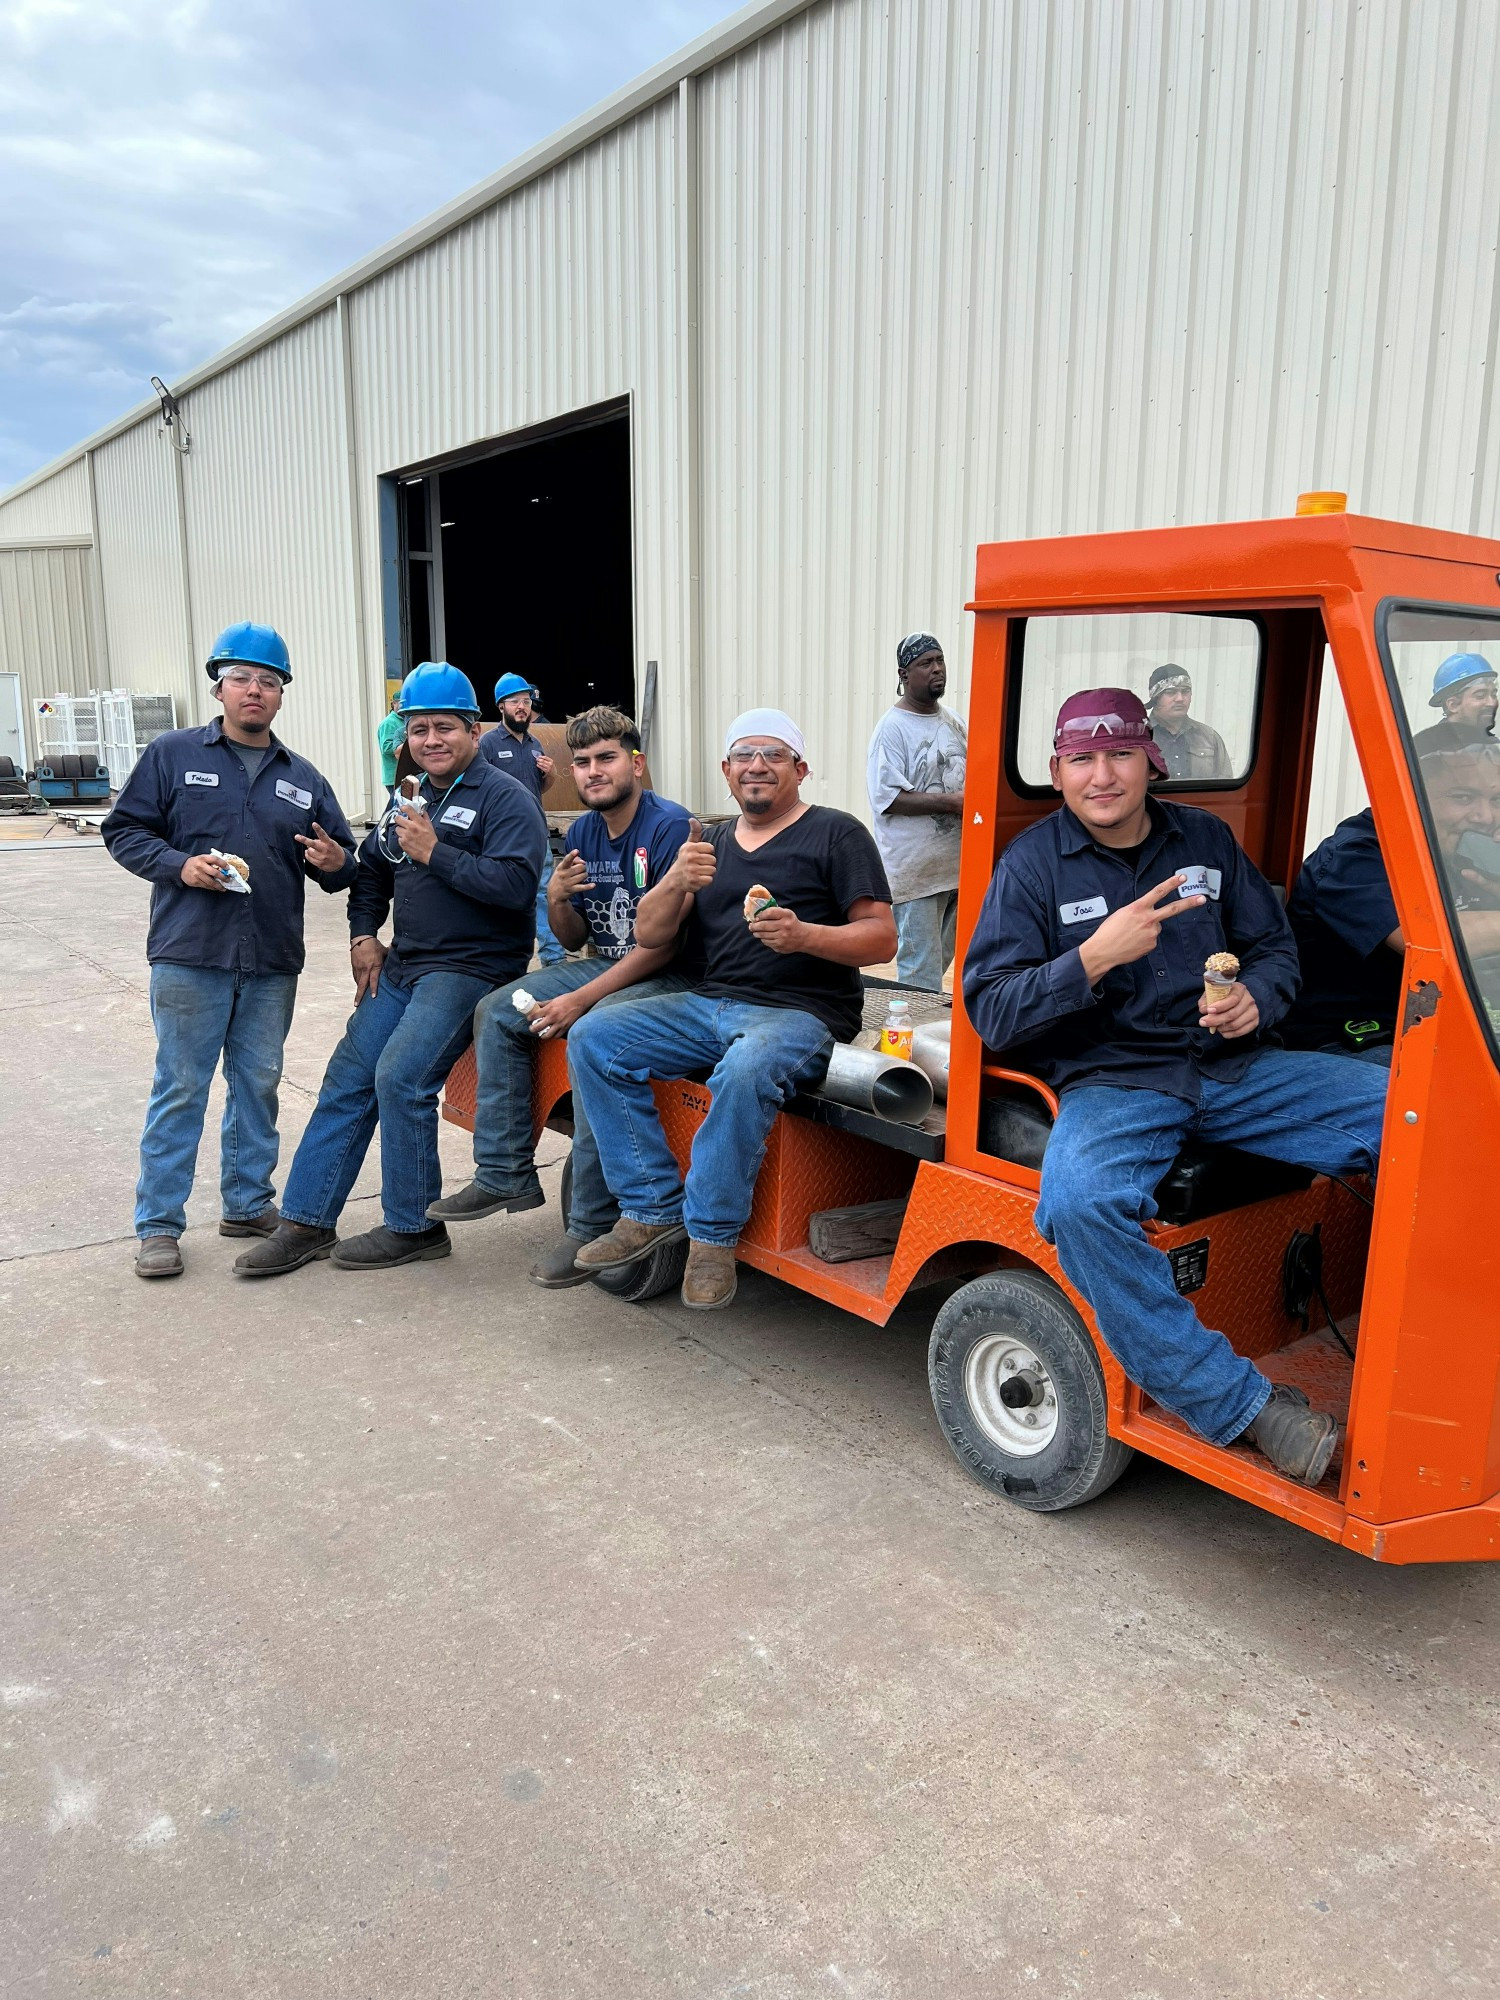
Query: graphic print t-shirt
point(623, 870)
point(917, 753)
point(817, 867)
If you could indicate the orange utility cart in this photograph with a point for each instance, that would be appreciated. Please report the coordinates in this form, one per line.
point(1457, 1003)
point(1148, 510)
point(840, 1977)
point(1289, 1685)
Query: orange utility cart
point(1408, 1271)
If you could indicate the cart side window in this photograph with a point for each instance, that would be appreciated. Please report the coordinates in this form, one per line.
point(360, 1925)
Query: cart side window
point(1199, 676)
point(1444, 666)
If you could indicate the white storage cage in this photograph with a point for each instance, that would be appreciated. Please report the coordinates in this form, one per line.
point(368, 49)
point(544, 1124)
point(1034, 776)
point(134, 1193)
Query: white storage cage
point(131, 721)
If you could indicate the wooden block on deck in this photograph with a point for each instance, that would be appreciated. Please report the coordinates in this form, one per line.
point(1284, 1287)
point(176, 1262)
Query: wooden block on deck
point(841, 1235)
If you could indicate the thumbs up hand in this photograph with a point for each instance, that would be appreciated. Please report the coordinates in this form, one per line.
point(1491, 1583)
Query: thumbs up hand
point(695, 864)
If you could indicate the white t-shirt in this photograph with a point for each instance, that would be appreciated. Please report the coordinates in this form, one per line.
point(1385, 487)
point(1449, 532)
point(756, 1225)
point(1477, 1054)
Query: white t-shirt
point(917, 753)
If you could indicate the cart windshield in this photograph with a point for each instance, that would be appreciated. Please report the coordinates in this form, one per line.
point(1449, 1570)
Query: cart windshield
point(1445, 665)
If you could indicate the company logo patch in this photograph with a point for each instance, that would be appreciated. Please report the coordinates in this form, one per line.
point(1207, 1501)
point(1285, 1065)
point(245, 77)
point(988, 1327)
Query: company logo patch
point(641, 860)
point(295, 793)
point(200, 777)
point(458, 816)
point(1083, 913)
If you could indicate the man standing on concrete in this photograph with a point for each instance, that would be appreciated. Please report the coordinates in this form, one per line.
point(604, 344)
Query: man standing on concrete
point(224, 963)
point(514, 750)
point(460, 864)
point(1189, 747)
point(915, 775)
point(618, 850)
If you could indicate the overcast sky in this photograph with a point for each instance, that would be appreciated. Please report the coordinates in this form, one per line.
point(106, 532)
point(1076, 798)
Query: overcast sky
point(171, 175)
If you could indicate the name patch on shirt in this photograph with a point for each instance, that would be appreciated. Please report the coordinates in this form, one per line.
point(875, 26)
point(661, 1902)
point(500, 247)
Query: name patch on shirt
point(1083, 913)
point(200, 777)
point(295, 793)
point(459, 816)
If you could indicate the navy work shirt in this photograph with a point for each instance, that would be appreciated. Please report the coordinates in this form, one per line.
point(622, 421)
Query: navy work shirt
point(188, 793)
point(472, 908)
point(622, 870)
point(1341, 914)
point(514, 756)
point(1024, 982)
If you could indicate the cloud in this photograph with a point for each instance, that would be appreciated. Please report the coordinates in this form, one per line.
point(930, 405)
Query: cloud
point(175, 176)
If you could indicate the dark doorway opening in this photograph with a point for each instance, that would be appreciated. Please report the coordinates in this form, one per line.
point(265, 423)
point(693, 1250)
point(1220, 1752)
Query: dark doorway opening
point(521, 562)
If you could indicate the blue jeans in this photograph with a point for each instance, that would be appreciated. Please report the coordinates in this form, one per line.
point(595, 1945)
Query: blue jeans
point(200, 1013)
point(1109, 1149)
point(925, 931)
point(388, 1070)
point(548, 950)
point(758, 1058)
point(504, 1152)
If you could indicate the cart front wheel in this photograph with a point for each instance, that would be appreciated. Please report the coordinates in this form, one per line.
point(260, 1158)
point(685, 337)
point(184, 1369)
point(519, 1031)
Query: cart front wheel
point(1020, 1395)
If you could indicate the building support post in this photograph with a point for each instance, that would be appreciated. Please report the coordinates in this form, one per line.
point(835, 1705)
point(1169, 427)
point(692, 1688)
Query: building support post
point(178, 427)
point(97, 605)
point(690, 444)
point(364, 667)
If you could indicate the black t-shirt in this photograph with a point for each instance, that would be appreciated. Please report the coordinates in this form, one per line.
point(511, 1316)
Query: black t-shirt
point(816, 867)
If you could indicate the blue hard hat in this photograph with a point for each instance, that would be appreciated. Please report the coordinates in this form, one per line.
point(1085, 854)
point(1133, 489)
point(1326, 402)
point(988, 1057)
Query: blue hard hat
point(249, 645)
point(436, 688)
point(1454, 672)
point(509, 684)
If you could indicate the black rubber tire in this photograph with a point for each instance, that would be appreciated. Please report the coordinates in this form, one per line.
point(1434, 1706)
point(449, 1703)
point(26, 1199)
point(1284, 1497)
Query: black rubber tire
point(635, 1283)
point(1082, 1459)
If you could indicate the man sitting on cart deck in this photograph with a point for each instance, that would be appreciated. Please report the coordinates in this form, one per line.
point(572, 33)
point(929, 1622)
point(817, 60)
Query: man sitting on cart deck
point(617, 850)
point(461, 866)
point(1088, 962)
point(779, 985)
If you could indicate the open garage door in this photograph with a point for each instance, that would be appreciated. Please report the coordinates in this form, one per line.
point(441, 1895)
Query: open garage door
point(520, 561)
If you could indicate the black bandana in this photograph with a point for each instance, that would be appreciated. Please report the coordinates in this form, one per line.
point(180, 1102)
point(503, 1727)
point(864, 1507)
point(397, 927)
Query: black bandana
point(912, 648)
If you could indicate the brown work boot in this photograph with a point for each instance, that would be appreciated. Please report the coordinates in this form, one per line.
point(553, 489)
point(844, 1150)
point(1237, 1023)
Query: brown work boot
point(263, 1224)
point(627, 1243)
point(158, 1257)
point(1298, 1441)
point(710, 1278)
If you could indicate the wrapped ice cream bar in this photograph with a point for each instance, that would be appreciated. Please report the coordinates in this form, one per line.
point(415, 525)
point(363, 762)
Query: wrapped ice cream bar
point(1220, 971)
point(409, 792)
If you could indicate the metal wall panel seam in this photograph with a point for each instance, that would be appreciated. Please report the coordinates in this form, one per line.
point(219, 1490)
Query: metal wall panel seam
point(362, 663)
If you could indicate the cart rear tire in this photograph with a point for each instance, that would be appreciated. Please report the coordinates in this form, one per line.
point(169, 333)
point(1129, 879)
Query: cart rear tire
point(635, 1283)
point(1020, 1395)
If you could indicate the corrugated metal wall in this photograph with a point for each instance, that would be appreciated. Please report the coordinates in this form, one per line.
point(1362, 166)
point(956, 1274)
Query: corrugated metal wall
point(267, 496)
point(140, 559)
point(968, 270)
point(562, 296)
point(58, 506)
point(976, 271)
point(46, 624)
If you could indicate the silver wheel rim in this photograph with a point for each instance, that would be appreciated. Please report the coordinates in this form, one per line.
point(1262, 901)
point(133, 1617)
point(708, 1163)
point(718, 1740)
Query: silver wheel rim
point(1000, 1371)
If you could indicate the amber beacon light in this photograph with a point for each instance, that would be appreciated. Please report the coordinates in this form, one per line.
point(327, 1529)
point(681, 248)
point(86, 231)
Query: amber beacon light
point(1322, 503)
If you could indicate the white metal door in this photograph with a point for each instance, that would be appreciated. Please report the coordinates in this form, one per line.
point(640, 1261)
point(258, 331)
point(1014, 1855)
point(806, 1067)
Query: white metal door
point(12, 734)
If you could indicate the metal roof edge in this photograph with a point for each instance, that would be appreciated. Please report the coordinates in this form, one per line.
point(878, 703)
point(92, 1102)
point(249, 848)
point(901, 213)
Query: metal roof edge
point(727, 39)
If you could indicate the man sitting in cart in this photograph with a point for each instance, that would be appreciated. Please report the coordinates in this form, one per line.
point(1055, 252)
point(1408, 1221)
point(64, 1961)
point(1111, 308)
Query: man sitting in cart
point(1349, 938)
point(780, 907)
point(617, 850)
point(1089, 956)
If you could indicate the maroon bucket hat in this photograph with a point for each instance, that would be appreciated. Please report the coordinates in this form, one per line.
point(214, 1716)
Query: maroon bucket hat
point(1101, 716)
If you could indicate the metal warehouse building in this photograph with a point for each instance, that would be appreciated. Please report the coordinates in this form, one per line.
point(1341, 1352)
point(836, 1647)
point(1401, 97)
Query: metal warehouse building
point(734, 373)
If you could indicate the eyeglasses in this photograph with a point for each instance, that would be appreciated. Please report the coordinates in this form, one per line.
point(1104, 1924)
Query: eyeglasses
point(241, 677)
point(743, 754)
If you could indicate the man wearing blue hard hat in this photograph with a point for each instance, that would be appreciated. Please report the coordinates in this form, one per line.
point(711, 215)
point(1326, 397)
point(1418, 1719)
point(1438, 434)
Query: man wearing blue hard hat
point(228, 825)
point(1465, 689)
point(458, 854)
point(512, 748)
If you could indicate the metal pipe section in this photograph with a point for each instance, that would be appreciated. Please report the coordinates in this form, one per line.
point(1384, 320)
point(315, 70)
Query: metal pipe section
point(930, 1046)
point(885, 1085)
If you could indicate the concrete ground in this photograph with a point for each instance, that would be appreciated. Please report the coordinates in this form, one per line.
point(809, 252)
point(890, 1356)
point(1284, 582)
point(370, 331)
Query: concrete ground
point(428, 1635)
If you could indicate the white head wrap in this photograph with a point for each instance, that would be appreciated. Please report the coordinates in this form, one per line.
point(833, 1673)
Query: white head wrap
point(771, 722)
